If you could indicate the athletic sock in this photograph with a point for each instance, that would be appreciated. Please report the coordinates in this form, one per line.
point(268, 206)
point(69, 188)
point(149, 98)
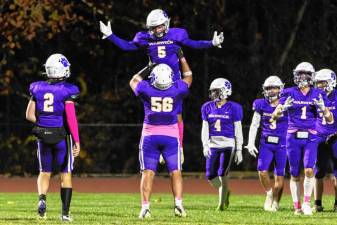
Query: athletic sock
point(145, 205)
point(66, 194)
point(295, 193)
point(42, 197)
point(319, 202)
point(308, 186)
point(178, 202)
point(270, 193)
point(181, 133)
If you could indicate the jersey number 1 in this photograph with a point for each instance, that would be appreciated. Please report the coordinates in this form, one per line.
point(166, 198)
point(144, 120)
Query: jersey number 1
point(48, 102)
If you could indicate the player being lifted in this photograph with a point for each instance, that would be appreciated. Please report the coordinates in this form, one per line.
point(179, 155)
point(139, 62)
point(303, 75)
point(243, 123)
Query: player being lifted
point(160, 135)
point(303, 103)
point(52, 110)
point(325, 79)
point(161, 44)
point(272, 141)
point(221, 134)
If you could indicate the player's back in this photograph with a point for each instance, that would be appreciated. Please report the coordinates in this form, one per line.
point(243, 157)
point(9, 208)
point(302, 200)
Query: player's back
point(160, 106)
point(50, 100)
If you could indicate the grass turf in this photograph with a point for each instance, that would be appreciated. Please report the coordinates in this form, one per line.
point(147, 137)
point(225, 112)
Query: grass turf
point(20, 208)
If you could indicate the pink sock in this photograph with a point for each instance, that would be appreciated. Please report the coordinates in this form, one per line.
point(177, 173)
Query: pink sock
point(306, 199)
point(181, 133)
point(297, 205)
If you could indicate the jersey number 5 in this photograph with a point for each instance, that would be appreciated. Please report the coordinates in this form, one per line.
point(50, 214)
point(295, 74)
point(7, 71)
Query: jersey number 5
point(48, 102)
point(161, 51)
point(159, 104)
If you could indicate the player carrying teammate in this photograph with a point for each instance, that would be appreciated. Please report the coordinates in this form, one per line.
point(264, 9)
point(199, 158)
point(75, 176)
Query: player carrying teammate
point(160, 135)
point(161, 44)
point(304, 103)
point(52, 110)
point(272, 141)
point(325, 79)
point(221, 134)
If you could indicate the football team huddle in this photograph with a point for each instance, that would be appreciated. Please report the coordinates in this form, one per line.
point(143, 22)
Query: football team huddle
point(297, 123)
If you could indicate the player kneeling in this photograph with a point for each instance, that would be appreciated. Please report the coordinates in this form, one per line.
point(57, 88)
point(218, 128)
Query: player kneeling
point(272, 141)
point(51, 104)
point(221, 134)
point(160, 135)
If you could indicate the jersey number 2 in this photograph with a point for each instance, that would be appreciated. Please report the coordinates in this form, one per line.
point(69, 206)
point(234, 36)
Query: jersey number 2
point(48, 103)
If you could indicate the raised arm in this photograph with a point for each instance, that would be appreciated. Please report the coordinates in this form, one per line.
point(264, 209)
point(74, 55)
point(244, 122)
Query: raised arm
point(200, 44)
point(121, 43)
point(138, 77)
point(185, 68)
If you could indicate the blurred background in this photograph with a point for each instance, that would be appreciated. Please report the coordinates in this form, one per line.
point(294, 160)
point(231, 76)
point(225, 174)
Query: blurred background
point(261, 38)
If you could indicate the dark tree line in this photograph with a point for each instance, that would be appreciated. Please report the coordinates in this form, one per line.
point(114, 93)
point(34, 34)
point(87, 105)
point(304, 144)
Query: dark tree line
point(261, 38)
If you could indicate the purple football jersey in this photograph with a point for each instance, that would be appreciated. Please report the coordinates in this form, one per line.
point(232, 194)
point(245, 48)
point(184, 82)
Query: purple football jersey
point(160, 106)
point(221, 120)
point(322, 127)
point(302, 115)
point(163, 49)
point(279, 128)
point(50, 100)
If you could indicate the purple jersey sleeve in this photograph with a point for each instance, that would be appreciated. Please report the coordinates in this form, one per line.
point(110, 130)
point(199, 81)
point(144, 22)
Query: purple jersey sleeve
point(183, 88)
point(32, 90)
point(123, 44)
point(204, 111)
point(72, 92)
point(141, 87)
point(183, 39)
point(257, 106)
point(237, 112)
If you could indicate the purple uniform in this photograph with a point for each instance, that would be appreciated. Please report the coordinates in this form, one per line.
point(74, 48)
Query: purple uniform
point(221, 135)
point(163, 49)
point(302, 138)
point(160, 129)
point(50, 101)
point(327, 151)
point(272, 141)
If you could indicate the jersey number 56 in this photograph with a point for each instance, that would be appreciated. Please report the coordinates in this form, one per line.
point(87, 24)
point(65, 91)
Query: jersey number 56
point(159, 104)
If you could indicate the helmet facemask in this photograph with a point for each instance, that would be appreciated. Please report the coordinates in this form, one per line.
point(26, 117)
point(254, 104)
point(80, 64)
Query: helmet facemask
point(272, 93)
point(303, 78)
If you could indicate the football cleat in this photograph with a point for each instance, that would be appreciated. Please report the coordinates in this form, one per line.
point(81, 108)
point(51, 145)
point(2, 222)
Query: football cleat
point(275, 207)
point(334, 208)
point(144, 213)
point(66, 218)
point(306, 208)
point(179, 211)
point(41, 210)
point(298, 212)
point(268, 202)
point(317, 208)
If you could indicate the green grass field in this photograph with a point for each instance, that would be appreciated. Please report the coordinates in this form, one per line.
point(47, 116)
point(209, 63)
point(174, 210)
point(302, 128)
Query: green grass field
point(124, 208)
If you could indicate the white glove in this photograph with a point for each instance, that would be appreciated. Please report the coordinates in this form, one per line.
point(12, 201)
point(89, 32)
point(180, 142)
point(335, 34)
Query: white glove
point(217, 39)
point(238, 157)
point(252, 150)
point(319, 103)
point(161, 159)
point(207, 152)
point(105, 29)
point(288, 103)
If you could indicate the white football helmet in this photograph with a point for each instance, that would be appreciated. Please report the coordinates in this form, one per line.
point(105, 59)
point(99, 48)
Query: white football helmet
point(57, 66)
point(304, 74)
point(269, 83)
point(161, 77)
point(326, 75)
point(155, 18)
point(220, 89)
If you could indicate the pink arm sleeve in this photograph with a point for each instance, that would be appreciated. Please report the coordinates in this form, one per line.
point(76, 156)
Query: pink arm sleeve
point(72, 120)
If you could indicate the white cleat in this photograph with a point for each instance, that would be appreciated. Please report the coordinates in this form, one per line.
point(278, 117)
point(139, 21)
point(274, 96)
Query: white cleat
point(275, 207)
point(268, 203)
point(179, 211)
point(66, 218)
point(298, 212)
point(306, 208)
point(144, 213)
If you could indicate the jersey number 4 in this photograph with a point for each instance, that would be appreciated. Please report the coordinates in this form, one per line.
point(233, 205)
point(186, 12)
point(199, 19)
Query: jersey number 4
point(159, 104)
point(48, 102)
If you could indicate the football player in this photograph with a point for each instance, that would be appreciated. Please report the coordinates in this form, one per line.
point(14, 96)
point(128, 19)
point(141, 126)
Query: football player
point(160, 135)
point(52, 110)
point(161, 44)
point(304, 103)
point(272, 141)
point(325, 79)
point(221, 136)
